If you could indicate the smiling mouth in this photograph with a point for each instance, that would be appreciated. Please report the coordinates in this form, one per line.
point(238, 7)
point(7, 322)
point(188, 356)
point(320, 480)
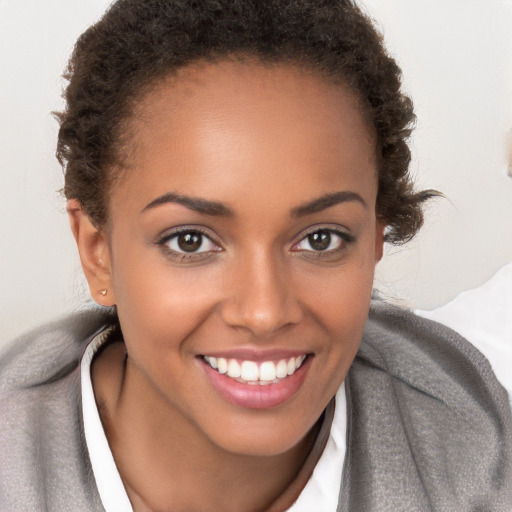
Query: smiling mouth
point(255, 373)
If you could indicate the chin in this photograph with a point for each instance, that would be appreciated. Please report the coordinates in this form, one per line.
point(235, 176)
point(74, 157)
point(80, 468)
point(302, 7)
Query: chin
point(268, 437)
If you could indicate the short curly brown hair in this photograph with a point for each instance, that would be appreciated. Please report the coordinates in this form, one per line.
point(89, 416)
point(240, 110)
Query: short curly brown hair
point(138, 42)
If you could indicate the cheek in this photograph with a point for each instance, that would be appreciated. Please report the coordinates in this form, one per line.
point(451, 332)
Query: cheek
point(341, 295)
point(342, 310)
point(159, 302)
point(339, 301)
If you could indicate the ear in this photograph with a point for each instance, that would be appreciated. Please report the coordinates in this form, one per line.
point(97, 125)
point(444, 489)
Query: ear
point(380, 228)
point(94, 254)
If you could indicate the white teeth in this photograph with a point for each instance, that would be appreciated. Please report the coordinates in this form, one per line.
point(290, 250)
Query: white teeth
point(233, 369)
point(281, 369)
point(222, 364)
point(249, 371)
point(268, 371)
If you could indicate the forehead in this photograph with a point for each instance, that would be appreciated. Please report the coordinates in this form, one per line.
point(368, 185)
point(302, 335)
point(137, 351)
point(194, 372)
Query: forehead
point(230, 127)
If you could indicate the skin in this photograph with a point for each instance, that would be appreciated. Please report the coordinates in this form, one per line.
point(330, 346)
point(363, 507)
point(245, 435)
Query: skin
point(263, 141)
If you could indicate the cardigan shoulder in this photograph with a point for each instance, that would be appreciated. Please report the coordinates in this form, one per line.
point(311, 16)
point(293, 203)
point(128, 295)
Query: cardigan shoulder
point(429, 425)
point(47, 352)
point(44, 463)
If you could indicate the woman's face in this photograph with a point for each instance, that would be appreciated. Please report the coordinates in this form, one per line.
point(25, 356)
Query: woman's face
point(243, 239)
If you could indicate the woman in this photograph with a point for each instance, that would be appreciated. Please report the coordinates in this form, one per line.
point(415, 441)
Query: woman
point(232, 171)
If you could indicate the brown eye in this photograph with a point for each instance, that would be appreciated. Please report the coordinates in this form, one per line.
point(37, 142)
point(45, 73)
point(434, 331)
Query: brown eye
point(324, 240)
point(190, 242)
point(320, 240)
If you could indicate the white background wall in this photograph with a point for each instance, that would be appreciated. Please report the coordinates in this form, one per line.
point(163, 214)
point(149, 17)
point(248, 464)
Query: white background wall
point(457, 62)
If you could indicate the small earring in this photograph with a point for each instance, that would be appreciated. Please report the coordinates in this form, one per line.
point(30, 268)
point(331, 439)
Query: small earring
point(103, 292)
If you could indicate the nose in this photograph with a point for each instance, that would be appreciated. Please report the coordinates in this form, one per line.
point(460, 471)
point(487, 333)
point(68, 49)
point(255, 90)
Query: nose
point(260, 296)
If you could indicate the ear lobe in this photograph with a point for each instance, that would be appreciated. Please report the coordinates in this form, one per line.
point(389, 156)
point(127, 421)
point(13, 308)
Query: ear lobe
point(94, 254)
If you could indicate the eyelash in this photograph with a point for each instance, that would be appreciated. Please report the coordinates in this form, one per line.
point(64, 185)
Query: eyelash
point(184, 256)
point(345, 240)
point(190, 257)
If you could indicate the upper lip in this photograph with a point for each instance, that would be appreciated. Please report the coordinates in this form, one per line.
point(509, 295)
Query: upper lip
point(257, 355)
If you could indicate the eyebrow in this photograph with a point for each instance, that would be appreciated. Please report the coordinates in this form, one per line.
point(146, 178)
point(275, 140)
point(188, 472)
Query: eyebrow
point(215, 208)
point(197, 204)
point(326, 201)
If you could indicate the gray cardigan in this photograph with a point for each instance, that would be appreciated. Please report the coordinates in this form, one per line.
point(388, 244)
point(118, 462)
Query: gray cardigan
point(429, 426)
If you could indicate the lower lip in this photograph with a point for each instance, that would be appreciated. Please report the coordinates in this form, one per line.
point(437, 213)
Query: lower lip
point(256, 396)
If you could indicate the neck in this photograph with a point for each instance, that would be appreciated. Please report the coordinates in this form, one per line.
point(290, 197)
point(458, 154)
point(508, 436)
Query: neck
point(166, 463)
